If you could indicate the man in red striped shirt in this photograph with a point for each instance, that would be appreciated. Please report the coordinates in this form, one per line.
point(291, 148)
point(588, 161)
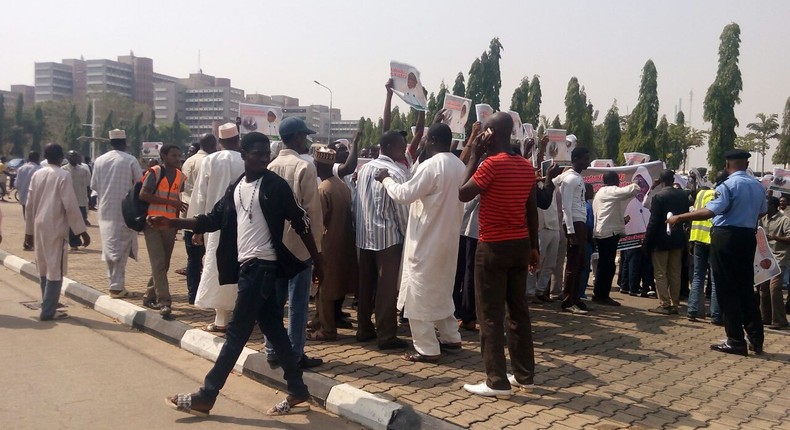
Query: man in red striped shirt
point(508, 220)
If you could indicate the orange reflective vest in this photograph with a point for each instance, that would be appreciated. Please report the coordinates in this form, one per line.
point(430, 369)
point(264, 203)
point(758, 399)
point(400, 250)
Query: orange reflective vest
point(165, 190)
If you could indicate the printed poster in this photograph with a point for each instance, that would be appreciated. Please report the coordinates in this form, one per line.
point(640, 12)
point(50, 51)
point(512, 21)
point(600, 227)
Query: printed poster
point(602, 163)
point(517, 135)
point(406, 84)
point(150, 150)
point(483, 112)
point(260, 118)
point(765, 265)
point(455, 115)
point(636, 214)
point(781, 180)
point(634, 158)
point(558, 147)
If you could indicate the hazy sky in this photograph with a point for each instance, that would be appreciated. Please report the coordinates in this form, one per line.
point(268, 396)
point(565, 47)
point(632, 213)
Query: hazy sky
point(281, 47)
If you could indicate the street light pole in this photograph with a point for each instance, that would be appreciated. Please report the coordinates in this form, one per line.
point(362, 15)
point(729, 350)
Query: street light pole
point(329, 137)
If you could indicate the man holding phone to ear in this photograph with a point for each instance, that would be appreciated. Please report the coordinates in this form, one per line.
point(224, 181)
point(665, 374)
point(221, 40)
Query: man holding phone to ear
point(508, 222)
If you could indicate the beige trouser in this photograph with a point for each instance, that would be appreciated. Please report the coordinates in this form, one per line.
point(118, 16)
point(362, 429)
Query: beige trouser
point(666, 267)
point(160, 245)
point(772, 305)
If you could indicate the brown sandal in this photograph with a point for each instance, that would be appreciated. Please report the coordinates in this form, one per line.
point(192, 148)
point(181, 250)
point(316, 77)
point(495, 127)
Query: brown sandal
point(416, 357)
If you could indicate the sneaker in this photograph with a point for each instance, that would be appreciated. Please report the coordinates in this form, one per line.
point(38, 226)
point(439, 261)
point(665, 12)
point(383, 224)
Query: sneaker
point(165, 311)
point(622, 291)
point(555, 296)
point(482, 389)
point(651, 293)
point(512, 379)
point(545, 298)
point(574, 310)
point(583, 306)
point(307, 362)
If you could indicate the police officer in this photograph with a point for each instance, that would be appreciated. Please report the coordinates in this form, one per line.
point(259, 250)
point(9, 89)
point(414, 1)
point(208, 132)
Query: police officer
point(738, 203)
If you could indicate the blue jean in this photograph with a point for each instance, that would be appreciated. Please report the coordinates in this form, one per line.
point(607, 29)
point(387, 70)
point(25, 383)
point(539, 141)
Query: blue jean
point(696, 301)
point(296, 291)
point(256, 301)
point(195, 255)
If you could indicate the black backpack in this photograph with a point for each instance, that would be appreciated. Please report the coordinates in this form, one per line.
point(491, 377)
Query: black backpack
point(135, 210)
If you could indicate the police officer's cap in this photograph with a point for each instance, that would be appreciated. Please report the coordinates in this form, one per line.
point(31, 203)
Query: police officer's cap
point(737, 154)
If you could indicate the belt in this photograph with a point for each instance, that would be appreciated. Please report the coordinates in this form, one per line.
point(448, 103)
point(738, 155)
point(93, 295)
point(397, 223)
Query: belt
point(246, 263)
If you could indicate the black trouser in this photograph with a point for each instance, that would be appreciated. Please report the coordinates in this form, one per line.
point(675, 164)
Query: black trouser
point(574, 263)
point(464, 293)
point(732, 256)
point(195, 255)
point(256, 302)
point(74, 240)
point(607, 251)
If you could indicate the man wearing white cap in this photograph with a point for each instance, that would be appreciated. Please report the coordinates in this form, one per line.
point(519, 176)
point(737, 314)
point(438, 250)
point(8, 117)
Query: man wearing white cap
point(114, 173)
point(217, 171)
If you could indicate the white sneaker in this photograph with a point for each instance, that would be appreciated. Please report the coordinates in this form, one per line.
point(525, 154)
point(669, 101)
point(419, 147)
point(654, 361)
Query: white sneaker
point(482, 389)
point(512, 379)
point(575, 310)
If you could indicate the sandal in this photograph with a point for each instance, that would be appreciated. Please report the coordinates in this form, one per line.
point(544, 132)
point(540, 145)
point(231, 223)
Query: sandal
point(286, 408)
point(183, 403)
point(123, 294)
point(416, 357)
point(213, 328)
point(320, 336)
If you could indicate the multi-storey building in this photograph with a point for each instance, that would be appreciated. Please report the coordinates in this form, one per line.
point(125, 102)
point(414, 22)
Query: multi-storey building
point(53, 81)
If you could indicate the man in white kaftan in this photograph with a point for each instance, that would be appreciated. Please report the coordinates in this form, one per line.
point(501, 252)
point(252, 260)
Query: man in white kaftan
point(431, 246)
point(52, 210)
point(217, 171)
point(114, 173)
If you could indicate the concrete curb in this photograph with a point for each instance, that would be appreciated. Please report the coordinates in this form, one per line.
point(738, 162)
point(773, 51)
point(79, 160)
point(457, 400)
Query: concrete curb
point(354, 404)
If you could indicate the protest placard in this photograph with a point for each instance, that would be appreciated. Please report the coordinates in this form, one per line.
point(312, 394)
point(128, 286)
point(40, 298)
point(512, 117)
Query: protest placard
point(636, 214)
point(601, 163)
point(634, 158)
point(483, 112)
point(406, 84)
point(455, 115)
point(558, 147)
point(261, 118)
point(780, 181)
point(150, 150)
point(765, 265)
point(517, 135)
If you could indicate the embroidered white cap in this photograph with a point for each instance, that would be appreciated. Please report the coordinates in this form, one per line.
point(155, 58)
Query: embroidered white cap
point(228, 130)
point(117, 134)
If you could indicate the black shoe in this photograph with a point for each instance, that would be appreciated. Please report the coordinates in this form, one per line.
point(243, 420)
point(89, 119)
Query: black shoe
point(307, 362)
point(450, 347)
point(583, 306)
point(365, 337)
point(622, 291)
point(607, 301)
point(343, 324)
point(151, 304)
point(717, 322)
point(273, 362)
point(757, 350)
point(643, 294)
point(545, 298)
point(394, 343)
point(728, 349)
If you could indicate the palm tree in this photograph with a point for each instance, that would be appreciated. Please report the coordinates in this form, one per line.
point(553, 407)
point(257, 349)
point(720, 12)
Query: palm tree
point(764, 130)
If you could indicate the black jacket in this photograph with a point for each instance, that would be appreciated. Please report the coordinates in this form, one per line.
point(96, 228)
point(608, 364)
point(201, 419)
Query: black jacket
point(667, 200)
point(277, 204)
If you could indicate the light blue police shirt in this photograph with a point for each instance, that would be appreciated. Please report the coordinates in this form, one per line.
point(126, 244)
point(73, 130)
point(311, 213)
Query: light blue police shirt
point(739, 201)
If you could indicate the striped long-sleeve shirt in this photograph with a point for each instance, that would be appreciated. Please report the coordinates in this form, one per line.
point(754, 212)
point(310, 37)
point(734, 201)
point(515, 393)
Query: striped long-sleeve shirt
point(380, 222)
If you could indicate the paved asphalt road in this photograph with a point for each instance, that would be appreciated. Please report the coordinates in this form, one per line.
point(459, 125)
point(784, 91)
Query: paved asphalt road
point(90, 372)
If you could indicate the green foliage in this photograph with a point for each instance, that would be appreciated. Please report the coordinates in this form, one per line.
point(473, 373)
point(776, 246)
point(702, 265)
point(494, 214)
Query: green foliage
point(485, 80)
point(18, 138)
point(150, 132)
point(37, 132)
point(722, 95)
point(612, 133)
point(73, 130)
point(682, 139)
point(782, 154)
point(458, 87)
point(556, 123)
point(662, 145)
point(532, 112)
point(641, 129)
point(520, 99)
point(764, 130)
point(578, 114)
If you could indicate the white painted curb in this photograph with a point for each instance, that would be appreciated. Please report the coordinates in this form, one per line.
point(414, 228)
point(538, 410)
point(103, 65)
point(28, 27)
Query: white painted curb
point(208, 346)
point(360, 406)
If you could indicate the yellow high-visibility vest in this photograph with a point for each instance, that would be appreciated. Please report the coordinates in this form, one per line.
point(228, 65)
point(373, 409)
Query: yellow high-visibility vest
point(700, 230)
